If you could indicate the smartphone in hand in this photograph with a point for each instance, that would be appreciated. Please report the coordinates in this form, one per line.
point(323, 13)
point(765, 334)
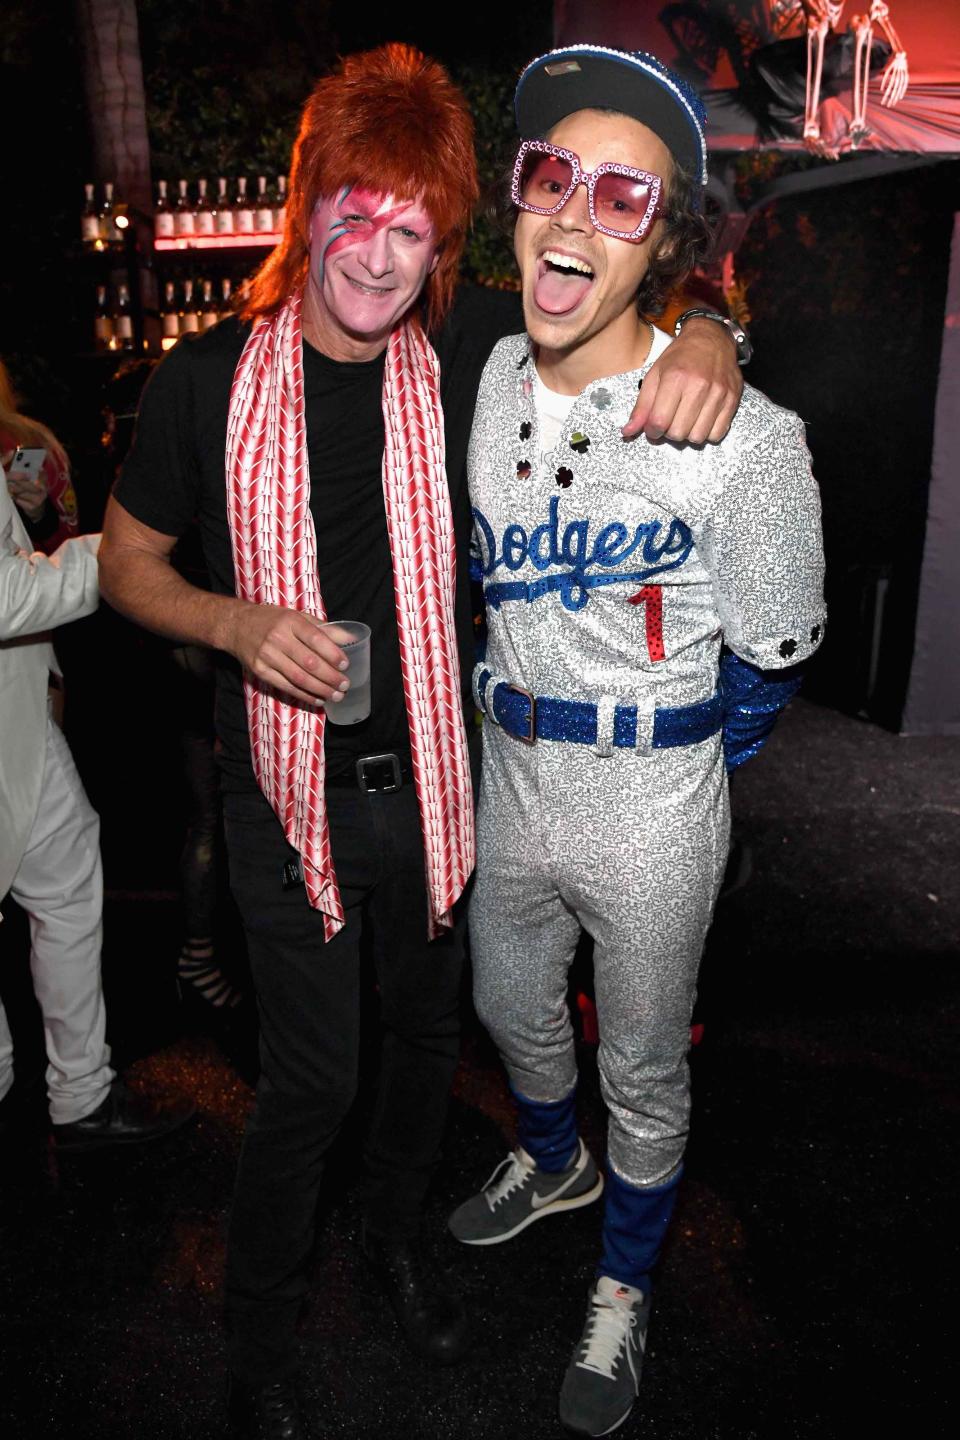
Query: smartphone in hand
point(26, 463)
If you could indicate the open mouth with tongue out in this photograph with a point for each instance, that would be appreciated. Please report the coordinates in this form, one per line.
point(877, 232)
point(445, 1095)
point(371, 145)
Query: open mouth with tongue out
point(561, 283)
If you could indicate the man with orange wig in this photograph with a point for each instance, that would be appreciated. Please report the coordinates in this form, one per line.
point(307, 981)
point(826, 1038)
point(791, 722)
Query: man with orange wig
point(320, 437)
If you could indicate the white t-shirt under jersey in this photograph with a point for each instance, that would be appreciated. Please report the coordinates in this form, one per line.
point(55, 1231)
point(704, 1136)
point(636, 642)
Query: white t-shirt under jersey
point(553, 409)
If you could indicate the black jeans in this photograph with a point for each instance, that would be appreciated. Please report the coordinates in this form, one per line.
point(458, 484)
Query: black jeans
point(308, 995)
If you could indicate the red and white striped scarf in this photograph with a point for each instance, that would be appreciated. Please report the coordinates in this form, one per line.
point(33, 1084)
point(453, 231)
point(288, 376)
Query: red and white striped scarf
point(275, 560)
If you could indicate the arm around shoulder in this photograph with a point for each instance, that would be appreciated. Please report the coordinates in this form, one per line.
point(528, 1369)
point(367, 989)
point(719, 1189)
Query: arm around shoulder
point(692, 392)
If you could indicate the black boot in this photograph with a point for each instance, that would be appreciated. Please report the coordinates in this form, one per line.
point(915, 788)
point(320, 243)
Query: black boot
point(265, 1412)
point(432, 1318)
point(123, 1118)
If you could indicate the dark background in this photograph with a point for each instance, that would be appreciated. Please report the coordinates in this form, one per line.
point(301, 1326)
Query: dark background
point(811, 1253)
point(844, 288)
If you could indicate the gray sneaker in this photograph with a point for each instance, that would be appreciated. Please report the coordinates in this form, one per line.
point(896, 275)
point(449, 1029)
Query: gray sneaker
point(603, 1377)
point(518, 1193)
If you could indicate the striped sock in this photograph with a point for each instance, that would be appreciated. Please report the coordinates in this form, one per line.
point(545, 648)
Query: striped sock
point(196, 967)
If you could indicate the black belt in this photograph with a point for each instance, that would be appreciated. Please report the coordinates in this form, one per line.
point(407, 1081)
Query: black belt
point(375, 774)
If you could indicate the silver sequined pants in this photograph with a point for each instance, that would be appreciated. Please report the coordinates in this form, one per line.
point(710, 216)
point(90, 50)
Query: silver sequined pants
point(632, 848)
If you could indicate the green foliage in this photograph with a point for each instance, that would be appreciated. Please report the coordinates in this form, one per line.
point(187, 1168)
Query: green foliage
point(210, 115)
point(488, 258)
point(199, 126)
point(754, 169)
point(225, 80)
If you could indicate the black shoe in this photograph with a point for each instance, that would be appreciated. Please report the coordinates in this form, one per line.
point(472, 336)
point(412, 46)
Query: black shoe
point(122, 1119)
point(265, 1412)
point(432, 1319)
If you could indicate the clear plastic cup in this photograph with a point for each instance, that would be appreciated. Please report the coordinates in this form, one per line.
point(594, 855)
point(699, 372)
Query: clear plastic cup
point(353, 637)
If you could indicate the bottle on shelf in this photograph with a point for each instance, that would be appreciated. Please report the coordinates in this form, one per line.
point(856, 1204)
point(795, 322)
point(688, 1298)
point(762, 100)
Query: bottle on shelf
point(243, 219)
point(123, 321)
point(163, 226)
point(102, 322)
point(280, 210)
point(89, 217)
point(109, 235)
point(263, 221)
point(223, 217)
point(189, 319)
point(204, 213)
point(183, 218)
point(226, 288)
point(209, 314)
point(169, 317)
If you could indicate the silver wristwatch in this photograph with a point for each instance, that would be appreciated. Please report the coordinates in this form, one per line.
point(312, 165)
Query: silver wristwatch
point(740, 337)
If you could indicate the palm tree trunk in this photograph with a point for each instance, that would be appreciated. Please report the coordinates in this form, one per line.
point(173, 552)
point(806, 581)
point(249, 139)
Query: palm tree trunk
point(113, 79)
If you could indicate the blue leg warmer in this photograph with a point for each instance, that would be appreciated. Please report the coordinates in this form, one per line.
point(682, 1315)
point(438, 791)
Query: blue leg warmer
point(634, 1225)
point(547, 1130)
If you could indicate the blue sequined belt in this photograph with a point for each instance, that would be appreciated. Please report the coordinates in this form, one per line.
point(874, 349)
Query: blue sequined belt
point(543, 717)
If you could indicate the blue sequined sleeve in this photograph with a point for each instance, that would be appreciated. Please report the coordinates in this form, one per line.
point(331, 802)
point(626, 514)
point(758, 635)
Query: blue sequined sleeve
point(752, 700)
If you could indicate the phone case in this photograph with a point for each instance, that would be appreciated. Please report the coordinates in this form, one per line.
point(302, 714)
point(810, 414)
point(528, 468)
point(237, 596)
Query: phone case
point(27, 463)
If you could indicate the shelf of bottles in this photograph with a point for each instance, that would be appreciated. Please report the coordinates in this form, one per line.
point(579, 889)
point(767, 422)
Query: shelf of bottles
point(231, 218)
point(205, 221)
point(103, 226)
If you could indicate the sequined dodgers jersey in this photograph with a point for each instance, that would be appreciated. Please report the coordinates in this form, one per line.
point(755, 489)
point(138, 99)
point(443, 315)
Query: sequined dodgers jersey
point(613, 567)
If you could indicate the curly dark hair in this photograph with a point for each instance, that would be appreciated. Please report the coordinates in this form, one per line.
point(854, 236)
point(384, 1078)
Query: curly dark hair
point(685, 242)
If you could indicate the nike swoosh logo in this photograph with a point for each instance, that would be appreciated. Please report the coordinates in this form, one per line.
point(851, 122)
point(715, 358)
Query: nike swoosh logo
point(537, 1201)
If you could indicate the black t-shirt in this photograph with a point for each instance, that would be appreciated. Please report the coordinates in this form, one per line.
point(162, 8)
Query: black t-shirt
point(174, 474)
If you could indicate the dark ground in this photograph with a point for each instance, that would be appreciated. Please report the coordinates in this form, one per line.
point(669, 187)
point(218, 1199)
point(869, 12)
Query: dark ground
point(805, 1289)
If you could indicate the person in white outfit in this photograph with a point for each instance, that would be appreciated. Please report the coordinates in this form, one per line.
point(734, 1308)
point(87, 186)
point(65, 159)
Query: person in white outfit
point(49, 848)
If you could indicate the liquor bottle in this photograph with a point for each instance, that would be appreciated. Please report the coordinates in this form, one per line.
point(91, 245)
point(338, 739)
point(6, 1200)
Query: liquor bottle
point(169, 318)
point(209, 314)
point(223, 220)
point(163, 227)
point(264, 212)
point(184, 219)
point(242, 209)
point(108, 231)
point(189, 319)
point(226, 305)
point(102, 323)
point(123, 320)
point(203, 216)
point(280, 208)
point(89, 218)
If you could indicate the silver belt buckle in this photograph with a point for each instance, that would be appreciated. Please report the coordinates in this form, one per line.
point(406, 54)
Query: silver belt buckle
point(531, 735)
point(394, 779)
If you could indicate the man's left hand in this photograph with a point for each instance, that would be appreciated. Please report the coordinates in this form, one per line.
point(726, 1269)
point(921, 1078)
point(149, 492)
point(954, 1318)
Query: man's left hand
point(692, 392)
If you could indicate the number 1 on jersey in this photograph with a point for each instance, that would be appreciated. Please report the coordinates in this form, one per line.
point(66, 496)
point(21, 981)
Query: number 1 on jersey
point(652, 597)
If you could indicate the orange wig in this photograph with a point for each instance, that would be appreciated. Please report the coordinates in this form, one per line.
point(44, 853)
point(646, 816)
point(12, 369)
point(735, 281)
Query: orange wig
point(391, 121)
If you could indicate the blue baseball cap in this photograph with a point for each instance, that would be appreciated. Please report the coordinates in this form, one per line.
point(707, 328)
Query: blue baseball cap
point(592, 77)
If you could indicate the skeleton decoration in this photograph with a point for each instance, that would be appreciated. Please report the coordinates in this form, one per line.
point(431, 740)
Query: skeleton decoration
point(822, 16)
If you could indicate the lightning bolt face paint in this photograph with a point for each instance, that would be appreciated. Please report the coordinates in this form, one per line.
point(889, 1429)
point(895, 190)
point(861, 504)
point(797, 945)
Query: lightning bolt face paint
point(370, 256)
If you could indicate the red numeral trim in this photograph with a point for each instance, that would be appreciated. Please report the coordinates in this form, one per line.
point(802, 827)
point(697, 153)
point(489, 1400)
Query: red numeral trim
point(652, 597)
